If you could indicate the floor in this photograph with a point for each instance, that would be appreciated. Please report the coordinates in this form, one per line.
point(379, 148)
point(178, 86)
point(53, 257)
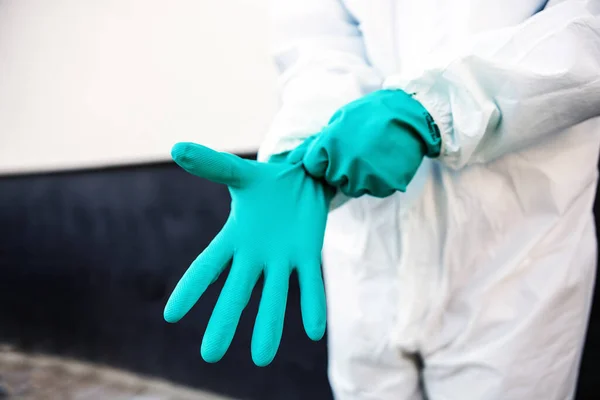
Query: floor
point(39, 377)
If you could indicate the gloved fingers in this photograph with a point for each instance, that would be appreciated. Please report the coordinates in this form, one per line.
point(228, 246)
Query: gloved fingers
point(298, 153)
point(380, 184)
point(225, 317)
point(203, 271)
point(204, 162)
point(353, 187)
point(312, 299)
point(268, 327)
point(355, 178)
point(316, 158)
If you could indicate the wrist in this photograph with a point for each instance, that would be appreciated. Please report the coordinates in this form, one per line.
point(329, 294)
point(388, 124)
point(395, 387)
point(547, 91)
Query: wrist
point(423, 123)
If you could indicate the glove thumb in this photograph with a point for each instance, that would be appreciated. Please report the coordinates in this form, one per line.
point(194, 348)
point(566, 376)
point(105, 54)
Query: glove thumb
point(215, 166)
point(299, 152)
point(313, 156)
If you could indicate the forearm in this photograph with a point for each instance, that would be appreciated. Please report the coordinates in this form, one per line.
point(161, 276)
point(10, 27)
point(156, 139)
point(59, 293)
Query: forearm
point(511, 88)
point(319, 53)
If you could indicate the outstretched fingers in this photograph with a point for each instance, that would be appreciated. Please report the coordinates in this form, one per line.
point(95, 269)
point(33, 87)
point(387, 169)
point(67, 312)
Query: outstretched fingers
point(268, 326)
point(312, 299)
point(227, 312)
point(203, 271)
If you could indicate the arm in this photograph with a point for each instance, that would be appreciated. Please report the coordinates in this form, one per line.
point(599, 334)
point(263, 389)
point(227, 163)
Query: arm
point(512, 87)
point(320, 57)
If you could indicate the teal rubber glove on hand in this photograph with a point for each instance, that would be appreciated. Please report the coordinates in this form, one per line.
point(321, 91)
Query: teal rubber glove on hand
point(373, 145)
point(276, 224)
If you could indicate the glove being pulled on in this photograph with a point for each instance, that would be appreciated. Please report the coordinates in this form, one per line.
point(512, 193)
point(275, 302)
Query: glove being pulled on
point(373, 145)
point(276, 224)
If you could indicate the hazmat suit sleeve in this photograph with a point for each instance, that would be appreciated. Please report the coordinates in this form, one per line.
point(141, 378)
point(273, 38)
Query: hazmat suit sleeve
point(320, 57)
point(506, 89)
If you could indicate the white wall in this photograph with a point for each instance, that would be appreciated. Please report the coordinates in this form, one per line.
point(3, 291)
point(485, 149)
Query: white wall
point(102, 82)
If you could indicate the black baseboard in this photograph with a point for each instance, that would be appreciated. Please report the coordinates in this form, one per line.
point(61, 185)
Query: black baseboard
point(87, 260)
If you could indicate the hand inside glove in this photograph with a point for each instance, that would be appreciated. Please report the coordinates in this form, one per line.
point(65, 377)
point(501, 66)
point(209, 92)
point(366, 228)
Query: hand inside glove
point(373, 145)
point(276, 224)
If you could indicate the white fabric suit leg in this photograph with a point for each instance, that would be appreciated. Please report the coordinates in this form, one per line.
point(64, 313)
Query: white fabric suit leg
point(496, 304)
point(519, 341)
point(360, 268)
point(509, 316)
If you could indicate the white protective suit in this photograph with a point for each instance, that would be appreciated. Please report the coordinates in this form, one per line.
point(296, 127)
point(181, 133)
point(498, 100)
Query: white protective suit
point(485, 267)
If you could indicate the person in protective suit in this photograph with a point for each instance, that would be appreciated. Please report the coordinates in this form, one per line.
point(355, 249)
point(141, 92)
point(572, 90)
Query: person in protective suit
point(450, 149)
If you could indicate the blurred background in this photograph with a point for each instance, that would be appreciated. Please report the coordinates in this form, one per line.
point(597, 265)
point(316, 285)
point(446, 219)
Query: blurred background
point(97, 224)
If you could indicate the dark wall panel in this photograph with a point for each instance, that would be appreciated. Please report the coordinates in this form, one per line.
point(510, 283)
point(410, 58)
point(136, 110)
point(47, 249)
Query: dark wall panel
point(87, 260)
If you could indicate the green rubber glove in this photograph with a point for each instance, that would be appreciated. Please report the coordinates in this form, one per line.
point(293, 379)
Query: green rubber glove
point(276, 224)
point(373, 145)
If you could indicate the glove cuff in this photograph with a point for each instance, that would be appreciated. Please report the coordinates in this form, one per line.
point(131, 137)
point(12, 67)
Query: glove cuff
point(425, 127)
